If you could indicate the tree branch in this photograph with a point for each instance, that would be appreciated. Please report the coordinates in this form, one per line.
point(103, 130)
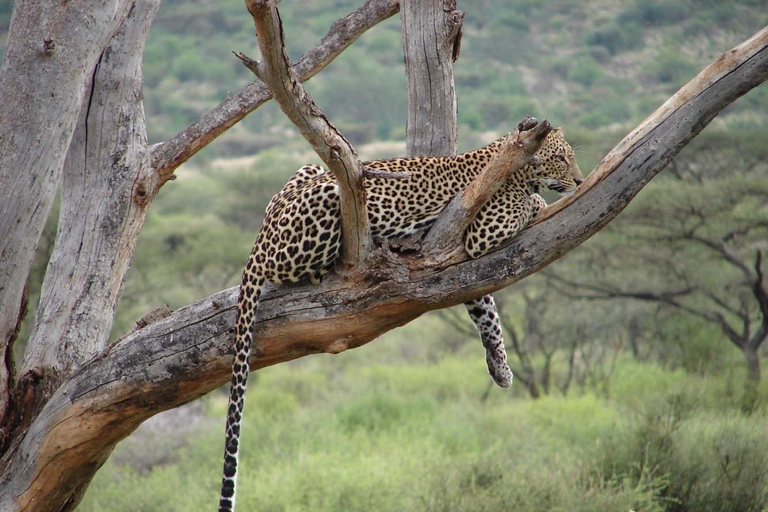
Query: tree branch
point(167, 156)
point(667, 298)
point(730, 70)
point(724, 251)
point(759, 287)
point(329, 144)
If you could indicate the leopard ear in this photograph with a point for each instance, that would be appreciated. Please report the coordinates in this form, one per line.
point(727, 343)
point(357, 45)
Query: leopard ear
point(560, 130)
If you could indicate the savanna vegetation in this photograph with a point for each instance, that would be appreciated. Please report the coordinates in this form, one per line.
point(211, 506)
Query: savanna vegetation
point(631, 394)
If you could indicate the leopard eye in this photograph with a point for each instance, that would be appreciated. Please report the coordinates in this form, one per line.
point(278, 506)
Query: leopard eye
point(562, 159)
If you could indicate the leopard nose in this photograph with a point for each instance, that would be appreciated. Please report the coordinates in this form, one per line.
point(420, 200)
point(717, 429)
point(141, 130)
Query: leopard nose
point(578, 181)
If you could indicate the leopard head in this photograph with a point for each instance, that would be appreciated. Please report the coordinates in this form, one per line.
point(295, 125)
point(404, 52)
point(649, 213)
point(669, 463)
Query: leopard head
point(558, 169)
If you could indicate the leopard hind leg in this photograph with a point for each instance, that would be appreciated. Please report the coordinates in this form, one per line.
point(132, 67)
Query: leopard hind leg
point(483, 313)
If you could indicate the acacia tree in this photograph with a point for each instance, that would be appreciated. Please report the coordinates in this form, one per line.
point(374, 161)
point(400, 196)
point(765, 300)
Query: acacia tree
point(71, 118)
point(702, 231)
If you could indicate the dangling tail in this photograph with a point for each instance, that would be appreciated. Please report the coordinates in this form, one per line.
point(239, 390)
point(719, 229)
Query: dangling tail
point(247, 303)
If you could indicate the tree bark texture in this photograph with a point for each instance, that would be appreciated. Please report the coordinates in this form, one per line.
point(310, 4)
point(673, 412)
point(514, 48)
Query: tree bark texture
point(103, 206)
point(42, 83)
point(431, 33)
point(187, 354)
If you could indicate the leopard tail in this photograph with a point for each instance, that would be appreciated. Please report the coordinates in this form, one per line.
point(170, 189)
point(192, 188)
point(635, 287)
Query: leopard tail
point(247, 304)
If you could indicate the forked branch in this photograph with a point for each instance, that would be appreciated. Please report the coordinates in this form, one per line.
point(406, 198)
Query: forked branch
point(330, 145)
point(167, 156)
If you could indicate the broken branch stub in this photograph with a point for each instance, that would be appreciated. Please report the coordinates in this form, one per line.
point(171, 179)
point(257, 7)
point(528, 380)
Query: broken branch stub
point(329, 144)
point(517, 150)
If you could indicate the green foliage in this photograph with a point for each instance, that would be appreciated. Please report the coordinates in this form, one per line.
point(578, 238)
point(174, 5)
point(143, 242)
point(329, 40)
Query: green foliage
point(616, 38)
point(656, 12)
point(707, 463)
point(391, 437)
point(669, 67)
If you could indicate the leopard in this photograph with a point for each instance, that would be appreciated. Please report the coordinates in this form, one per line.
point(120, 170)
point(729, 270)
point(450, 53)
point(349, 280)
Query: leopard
point(300, 239)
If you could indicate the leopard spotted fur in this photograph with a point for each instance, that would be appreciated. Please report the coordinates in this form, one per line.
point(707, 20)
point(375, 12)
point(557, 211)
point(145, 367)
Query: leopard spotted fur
point(301, 238)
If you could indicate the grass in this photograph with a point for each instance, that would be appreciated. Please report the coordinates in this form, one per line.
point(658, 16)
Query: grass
point(324, 435)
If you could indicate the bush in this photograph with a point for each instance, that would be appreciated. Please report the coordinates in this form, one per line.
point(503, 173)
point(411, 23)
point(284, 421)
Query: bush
point(655, 12)
point(586, 72)
point(669, 68)
point(617, 38)
point(706, 463)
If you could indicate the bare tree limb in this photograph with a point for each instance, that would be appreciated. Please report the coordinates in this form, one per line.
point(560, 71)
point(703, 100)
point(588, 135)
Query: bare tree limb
point(727, 71)
point(167, 156)
point(667, 298)
point(724, 251)
point(329, 144)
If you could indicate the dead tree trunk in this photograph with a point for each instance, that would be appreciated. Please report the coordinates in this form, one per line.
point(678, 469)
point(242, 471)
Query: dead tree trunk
point(42, 85)
point(431, 36)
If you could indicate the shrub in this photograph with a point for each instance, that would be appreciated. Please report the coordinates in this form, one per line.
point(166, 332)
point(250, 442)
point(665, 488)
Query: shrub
point(617, 38)
point(705, 463)
point(670, 68)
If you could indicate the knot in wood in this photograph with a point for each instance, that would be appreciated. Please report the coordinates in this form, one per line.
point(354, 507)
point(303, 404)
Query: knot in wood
point(141, 195)
point(456, 17)
point(337, 347)
point(48, 46)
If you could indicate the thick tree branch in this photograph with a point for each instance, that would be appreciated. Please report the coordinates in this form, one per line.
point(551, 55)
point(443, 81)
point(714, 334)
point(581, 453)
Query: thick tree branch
point(446, 236)
point(167, 156)
point(329, 144)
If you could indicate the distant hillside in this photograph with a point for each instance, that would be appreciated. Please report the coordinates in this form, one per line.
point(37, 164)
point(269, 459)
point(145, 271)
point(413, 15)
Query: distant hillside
point(591, 65)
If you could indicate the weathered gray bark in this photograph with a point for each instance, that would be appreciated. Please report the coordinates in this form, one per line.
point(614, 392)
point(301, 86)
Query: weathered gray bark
point(186, 355)
point(104, 201)
point(431, 36)
point(42, 84)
